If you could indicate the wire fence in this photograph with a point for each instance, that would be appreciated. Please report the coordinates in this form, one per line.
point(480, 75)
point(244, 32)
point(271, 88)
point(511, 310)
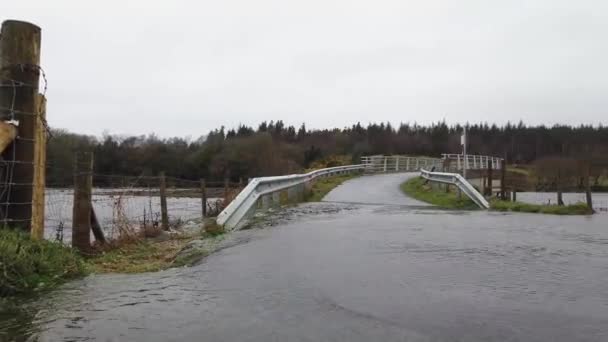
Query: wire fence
point(16, 172)
point(127, 205)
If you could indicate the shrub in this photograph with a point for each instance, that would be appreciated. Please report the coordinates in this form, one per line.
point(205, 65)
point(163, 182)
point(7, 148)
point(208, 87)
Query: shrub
point(28, 265)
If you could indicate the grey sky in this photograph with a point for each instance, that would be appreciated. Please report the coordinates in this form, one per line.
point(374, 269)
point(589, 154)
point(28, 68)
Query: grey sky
point(183, 67)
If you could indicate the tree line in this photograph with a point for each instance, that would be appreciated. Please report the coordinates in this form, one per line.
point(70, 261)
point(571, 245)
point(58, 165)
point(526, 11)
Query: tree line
point(274, 148)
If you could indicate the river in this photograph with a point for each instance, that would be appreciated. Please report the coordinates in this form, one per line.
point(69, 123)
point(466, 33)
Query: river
point(347, 270)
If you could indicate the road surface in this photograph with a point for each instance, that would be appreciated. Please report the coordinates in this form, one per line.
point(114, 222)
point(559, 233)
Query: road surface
point(357, 272)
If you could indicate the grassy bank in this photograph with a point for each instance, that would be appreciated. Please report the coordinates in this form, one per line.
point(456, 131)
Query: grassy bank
point(323, 186)
point(29, 266)
point(572, 209)
point(416, 188)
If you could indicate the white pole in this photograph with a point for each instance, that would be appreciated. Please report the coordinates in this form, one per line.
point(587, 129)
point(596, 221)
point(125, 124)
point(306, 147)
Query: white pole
point(464, 152)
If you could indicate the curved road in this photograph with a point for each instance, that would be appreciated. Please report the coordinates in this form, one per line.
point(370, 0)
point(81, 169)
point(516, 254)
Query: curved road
point(349, 272)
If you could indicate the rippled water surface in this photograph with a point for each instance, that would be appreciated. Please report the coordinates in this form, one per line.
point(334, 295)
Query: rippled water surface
point(355, 272)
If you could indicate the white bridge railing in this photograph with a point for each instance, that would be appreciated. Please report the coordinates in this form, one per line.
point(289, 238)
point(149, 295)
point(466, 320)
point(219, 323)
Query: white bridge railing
point(460, 182)
point(473, 162)
point(265, 190)
point(388, 164)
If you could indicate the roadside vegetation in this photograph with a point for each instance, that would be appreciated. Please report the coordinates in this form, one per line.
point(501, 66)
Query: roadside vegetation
point(323, 186)
point(29, 266)
point(416, 188)
point(572, 209)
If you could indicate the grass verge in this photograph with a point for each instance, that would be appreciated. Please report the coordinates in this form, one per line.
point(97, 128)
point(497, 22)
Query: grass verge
point(572, 209)
point(29, 266)
point(416, 188)
point(323, 186)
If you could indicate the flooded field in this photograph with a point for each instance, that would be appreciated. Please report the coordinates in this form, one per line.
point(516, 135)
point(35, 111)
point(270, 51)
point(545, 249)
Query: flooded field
point(107, 202)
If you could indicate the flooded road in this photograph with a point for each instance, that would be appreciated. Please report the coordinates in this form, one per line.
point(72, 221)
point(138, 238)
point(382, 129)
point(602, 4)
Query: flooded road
point(355, 272)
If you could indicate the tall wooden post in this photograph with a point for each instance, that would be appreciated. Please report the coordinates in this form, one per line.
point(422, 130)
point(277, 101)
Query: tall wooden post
point(163, 202)
point(204, 197)
point(19, 67)
point(81, 215)
point(37, 228)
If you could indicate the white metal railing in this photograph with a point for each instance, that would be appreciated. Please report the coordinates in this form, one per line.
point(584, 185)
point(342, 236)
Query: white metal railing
point(388, 164)
point(245, 202)
point(460, 182)
point(473, 162)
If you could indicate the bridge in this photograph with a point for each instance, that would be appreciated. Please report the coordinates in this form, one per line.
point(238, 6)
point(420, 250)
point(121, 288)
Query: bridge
point(264, 192)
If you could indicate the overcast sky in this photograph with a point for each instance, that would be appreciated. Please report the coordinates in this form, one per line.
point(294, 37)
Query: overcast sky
point(184, 67)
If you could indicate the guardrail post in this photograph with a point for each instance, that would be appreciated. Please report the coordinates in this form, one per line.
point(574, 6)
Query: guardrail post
point(417, 164)
point(458, 162)
point(407, 164)
point(385, 161)
point(503, 177)
point(397, 163)
point(276, 199)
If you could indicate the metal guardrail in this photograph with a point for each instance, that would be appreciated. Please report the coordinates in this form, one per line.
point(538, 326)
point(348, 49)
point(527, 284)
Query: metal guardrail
point(246, 201)
point(389, 164)
point(473, 162)
point(460, 182)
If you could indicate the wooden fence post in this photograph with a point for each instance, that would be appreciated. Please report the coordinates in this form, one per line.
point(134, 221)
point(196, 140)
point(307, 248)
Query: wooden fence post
point(37, 228)
point(19, 63)
point(204, 197)
point(81, 215)
point(588, 187)
point(490, 180)
point(226, 189)
point(503, 179)
point(163, 202)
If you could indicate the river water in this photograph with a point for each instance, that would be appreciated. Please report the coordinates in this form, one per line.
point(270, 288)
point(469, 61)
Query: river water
point(347, 271)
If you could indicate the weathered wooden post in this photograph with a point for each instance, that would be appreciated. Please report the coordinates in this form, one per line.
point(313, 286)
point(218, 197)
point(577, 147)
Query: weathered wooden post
point(19, 69)
point(204, 197)
point(226, 190)
point(163, 202)
point(588, 186)
point(37, 227)
point(490, 180)
point(81, 215)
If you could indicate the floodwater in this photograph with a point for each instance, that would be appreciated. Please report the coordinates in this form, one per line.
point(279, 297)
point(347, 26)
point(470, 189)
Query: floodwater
point(107, 202)
point(346, 271)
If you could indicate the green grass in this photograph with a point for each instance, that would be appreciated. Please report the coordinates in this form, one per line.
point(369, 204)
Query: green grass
point(29, 266)
point(416, 188)
point(323, 186)
point(573, 209)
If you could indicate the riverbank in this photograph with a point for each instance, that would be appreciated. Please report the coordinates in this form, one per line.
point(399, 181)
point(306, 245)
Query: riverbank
point(419, 189)
point(29, 266)
point(571, 209)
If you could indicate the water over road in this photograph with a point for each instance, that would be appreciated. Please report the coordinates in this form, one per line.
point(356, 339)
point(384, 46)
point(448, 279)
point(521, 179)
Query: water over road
point(394, 270)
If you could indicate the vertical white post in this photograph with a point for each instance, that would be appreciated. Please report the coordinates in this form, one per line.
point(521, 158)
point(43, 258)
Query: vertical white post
point(397, 163)
point(475, 162)
point(464, 152)
point(407, 164)
point(458, 161)
point(385, 160)
point(417, 164)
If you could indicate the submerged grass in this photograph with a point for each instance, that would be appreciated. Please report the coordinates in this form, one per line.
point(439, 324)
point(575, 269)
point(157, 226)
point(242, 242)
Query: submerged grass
point(323, 186)
point(572, 209)
point(29, 266)
point(416, 188)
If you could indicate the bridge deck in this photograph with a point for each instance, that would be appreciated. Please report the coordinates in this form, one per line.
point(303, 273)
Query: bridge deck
point(376, 189)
